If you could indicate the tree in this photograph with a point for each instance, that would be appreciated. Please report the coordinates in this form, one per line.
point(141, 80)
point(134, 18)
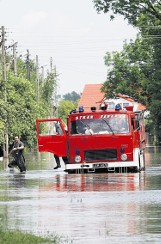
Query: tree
point(129, 70)
point(73, 96)
point(67, 104)
point(146, 16)
point(65, 107)
point(133, 11)
point(21, 108)
point(48, 87)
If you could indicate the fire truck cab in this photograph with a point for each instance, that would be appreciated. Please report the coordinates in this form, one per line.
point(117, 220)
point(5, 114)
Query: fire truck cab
point(96, 141)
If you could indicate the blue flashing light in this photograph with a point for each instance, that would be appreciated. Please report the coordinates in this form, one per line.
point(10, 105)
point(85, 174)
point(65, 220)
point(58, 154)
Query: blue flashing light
point(118, 107)
point(81, 109)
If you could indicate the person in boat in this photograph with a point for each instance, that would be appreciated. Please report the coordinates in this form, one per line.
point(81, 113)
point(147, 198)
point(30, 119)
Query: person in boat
point(17, 154)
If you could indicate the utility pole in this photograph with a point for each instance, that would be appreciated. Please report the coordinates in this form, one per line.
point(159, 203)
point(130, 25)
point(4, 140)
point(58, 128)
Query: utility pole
point(14, 58)
point(3, 57)
point(51, 65)
point(37, 77)
point(5, 141)
point(55, 95)
point(42, 74)
point(28, 65)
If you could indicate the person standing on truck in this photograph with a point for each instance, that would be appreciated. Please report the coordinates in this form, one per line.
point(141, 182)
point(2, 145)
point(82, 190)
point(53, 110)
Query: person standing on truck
point(17, 153)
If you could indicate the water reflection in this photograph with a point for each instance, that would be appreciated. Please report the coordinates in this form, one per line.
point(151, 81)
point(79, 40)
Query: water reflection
point(93, 208)
point(96, 182)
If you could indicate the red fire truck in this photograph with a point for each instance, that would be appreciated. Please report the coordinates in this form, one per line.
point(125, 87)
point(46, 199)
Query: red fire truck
point(96, 141)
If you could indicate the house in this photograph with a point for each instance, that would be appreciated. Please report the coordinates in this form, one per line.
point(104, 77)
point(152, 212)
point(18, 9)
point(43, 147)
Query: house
point(124, 101)
point(93, 97)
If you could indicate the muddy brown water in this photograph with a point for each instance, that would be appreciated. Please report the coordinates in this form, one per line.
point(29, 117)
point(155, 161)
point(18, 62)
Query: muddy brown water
point(89, 208)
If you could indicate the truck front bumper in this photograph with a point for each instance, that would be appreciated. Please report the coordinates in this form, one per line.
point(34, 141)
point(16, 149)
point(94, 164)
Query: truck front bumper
point(101, 165)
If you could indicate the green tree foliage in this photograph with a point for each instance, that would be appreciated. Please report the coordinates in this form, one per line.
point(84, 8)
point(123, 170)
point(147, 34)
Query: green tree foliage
point(47, 87)
point(65, 108)
point(21, 107)
point(129, 71)
point(133, 11)
point(68, 103)
point(146, 16)
point(20, 110)
point(73, 96)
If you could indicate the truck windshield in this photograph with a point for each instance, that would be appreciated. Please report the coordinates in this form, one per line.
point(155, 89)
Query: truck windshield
point(112, 125)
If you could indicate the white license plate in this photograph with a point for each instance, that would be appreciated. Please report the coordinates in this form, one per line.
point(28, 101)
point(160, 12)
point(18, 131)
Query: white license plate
point(100, 165)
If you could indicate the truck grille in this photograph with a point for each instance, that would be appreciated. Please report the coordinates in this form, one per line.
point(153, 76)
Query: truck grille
point(107, 154)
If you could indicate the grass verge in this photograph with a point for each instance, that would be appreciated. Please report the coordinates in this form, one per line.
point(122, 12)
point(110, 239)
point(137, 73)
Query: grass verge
point(17, 237)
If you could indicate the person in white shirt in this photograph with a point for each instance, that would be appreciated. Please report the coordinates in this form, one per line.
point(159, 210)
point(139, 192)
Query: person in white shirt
point(88, 130)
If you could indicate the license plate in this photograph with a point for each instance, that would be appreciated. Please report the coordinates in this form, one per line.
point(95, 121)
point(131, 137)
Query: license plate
point(100, 165)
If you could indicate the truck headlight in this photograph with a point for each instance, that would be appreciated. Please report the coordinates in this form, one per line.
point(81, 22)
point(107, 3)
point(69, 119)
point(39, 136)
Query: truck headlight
point(77, 159)
point(124, 157)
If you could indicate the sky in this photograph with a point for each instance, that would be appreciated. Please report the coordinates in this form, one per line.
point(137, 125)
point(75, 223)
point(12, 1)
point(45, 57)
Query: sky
point(70, 32)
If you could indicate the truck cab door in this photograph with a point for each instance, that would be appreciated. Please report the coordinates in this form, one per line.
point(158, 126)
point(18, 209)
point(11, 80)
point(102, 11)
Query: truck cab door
point(50, 138)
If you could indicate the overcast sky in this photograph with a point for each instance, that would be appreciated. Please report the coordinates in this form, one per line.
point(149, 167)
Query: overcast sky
point(71, 32)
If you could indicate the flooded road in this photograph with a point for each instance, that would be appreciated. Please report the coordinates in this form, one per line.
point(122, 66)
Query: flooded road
point(93, 208)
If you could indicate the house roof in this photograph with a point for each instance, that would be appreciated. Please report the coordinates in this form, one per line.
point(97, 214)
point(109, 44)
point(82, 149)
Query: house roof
point(139, 106)
point(91, 96)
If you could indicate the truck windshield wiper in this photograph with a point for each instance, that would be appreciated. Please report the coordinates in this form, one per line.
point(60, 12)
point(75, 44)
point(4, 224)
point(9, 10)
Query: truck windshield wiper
point(107, 122)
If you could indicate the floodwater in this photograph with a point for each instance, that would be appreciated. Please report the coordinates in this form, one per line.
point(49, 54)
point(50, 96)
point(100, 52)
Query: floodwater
point(93, 208)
